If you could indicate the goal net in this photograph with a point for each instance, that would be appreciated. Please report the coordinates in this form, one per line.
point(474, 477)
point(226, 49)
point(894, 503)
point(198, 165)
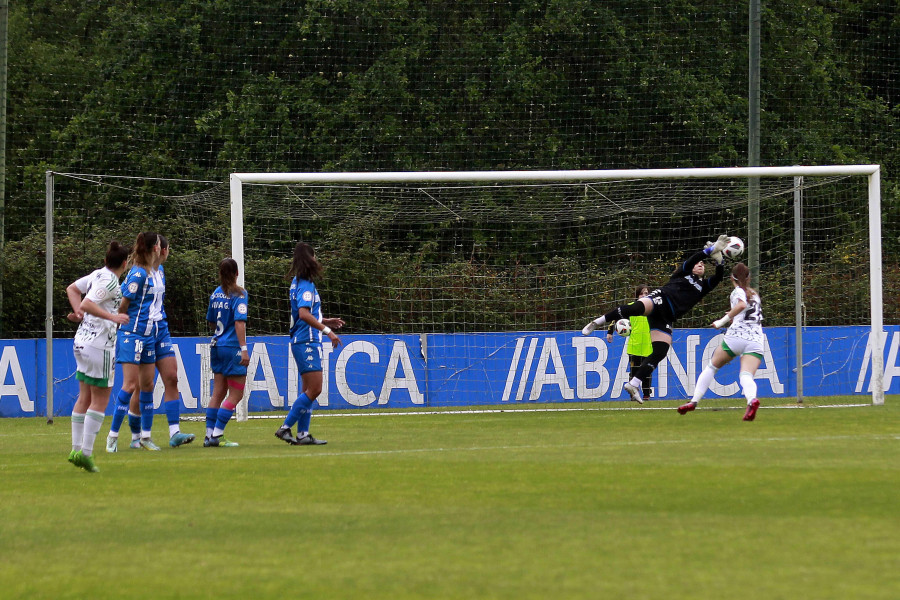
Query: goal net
point(463, 289)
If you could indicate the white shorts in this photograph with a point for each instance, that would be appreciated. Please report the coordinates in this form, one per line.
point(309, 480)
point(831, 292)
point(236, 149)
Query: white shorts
point(740, 346)
point(96, 366)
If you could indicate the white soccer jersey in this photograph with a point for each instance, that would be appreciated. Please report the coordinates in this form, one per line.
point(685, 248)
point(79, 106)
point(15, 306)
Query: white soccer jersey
point(102, 288)
point(747, 324)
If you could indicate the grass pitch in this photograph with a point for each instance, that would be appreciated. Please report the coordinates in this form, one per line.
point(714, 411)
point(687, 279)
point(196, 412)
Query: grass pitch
point(608, 501)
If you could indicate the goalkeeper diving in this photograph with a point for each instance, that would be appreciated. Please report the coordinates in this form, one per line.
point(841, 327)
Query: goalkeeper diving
point(663, 306)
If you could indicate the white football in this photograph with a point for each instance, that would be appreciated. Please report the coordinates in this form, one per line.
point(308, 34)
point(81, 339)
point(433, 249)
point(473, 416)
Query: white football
point(734, 248)
point(623, 327)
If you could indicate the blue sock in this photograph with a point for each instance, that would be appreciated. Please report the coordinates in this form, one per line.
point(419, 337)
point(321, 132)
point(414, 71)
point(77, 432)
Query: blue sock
point(222, 418)
point(300, 405)
point(305, 416)
point(211, 415)
point(301, 413)
point(173, 411)
point(146, 411)
point(120, 410)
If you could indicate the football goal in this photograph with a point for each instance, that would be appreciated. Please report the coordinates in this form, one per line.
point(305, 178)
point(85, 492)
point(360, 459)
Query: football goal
point(478, 264)
point(471, 288)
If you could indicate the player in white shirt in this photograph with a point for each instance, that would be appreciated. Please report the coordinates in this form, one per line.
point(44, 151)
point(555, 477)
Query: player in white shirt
point(743, 338)
point(94, 349)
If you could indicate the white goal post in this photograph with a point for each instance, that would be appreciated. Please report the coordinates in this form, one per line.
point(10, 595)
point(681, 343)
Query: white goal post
point(413, 179)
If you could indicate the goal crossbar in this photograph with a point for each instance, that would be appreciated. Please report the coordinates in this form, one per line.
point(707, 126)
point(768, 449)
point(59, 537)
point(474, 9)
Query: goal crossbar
point(570, 175)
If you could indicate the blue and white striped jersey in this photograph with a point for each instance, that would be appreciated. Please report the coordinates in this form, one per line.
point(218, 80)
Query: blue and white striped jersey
point(138, 288)
point(157, 311)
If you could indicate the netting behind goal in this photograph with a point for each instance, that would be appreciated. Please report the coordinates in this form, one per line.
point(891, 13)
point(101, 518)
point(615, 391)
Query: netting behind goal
point(465, 294)
point(483, 285)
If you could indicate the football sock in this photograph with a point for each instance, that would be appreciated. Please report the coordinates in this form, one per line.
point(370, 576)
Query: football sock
point(146, 413)
point(119, 412)
point(703, 382)
point(301, 405)
point(77, 430)
point(305, 414)
point(134, 424)
point(660, 349)
point(748, 383)
point(635, 309)
point(224, 414)
point(173, 415)
point(92, 424)
point(211, 416)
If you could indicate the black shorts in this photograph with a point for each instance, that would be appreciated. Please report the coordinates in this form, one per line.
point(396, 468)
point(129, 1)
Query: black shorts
point(661, 318)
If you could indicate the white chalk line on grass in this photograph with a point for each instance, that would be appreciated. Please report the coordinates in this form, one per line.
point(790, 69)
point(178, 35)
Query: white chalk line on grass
point(378, 413)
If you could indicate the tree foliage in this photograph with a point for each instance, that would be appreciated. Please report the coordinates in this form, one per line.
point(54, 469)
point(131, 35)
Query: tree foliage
point(201, 88)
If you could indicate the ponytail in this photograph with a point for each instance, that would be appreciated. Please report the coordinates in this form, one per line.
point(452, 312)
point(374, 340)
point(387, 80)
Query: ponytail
point(142, 251)
point(228, 272)
point(116, 254)
point(740, 273)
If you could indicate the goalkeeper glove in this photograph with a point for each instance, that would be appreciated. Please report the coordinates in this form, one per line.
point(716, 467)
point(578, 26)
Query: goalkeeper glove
point(722, 322)
point(717, 256)
point(720, 244)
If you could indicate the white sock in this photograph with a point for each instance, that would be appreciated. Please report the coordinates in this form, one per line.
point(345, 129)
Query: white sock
point(77, 430)
point(209, 432)
point(636, 382)
point(173, 429)
point(114, 434)
point(703, 382)
point(217, 432)
point(748, 384)
point(92, 425)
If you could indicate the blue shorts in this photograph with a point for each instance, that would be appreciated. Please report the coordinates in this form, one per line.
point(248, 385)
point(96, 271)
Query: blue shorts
point(226, 360)
point(307, 356)
point(164, 345)
point(134, 349)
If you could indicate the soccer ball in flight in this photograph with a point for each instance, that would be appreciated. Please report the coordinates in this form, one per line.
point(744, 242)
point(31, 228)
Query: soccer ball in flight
point(623, 327)
point(734, 248)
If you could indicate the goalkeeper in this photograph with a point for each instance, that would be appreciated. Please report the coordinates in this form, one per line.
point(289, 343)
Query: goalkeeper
point(663, 306)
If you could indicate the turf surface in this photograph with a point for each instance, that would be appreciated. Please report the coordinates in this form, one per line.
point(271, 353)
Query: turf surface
point(606, 502)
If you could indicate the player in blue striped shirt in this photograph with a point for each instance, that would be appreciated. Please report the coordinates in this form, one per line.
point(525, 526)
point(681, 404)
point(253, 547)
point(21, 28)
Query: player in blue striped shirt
point(136, 340)
point(307, 327)
point(227, 352)
point(166, 364)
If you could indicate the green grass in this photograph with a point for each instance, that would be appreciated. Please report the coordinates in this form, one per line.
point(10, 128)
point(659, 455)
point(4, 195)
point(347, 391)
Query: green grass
point(596, 503)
